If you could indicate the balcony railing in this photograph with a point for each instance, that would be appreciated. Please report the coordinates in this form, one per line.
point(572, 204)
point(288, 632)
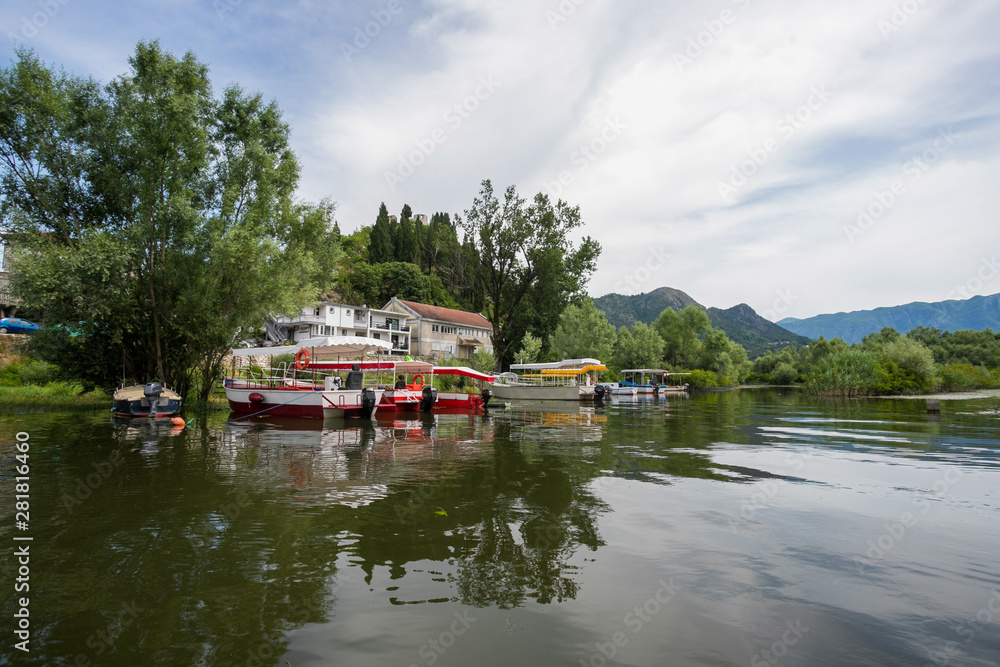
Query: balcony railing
point(301, 319)
point(389, 327)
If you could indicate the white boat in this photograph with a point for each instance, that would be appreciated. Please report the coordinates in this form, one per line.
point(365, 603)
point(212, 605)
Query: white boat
point(303, 388)
point(647, 381)
point(568, 380)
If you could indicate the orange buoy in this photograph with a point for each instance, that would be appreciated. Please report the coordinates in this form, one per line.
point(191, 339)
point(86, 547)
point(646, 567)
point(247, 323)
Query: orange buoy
point(177, 421)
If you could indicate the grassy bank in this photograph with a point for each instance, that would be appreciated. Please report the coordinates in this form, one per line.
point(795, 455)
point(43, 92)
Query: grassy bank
point(52, 396)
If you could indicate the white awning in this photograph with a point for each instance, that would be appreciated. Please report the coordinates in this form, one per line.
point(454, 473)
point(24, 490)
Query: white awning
point(325, 347)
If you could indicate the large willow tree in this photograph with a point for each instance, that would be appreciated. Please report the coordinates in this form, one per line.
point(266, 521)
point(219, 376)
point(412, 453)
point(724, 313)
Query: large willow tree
point(152, 215)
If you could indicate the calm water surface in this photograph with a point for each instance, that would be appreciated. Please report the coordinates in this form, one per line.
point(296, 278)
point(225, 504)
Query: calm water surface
point(747, 528)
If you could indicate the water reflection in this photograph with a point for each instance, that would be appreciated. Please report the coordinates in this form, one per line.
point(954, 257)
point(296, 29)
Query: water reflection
point(252, 542)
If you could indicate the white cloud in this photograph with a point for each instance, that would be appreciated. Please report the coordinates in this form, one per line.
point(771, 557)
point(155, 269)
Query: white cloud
point(682, 126)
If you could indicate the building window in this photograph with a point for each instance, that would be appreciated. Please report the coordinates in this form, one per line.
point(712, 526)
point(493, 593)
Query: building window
point(348, 312)
point(377, 336)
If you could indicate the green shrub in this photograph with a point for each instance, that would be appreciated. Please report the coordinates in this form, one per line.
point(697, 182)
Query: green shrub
point(964, 377)
point(851, 373)
point(784, 373)
point(700, 378)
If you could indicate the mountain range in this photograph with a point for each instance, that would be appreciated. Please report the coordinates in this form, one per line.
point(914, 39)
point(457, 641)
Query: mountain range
point(977, 313)
point(740, 323)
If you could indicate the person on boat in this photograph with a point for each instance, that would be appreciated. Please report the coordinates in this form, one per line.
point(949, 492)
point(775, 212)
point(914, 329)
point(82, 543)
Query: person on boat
point(401, 382)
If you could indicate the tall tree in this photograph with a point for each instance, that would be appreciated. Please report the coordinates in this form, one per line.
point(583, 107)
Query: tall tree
point(583, 332)
point(405, 242)
point(682, 332)
point(382, 247)
point(156, 214)
point(641, 347)
point(513, 240)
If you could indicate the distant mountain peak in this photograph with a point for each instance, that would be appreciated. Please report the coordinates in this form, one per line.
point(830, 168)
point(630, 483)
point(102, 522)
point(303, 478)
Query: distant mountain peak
point(977, 313)
point(741, 323)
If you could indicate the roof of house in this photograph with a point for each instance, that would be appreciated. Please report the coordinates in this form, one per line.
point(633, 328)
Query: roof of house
point(447, 314)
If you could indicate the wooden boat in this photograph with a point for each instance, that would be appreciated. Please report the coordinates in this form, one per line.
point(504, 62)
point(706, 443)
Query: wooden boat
point(567, 380)
point(149, 400)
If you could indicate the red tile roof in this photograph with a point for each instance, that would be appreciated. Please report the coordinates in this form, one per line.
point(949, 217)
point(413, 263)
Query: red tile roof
point(448, 315)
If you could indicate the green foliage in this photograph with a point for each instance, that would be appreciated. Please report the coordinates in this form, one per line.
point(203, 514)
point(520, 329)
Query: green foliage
point(376, 284)
point(784, 373)
point(482, 361)
point(641, 347)
point(681, 333)
point(915, 364)
point(583, 332)
point(527, 265)
point(851, 373)
point(153, 217)
point(726, 359)
point(701, 379)
point(978, 348)
point(530, 351)
point(382, 247)
point(966, 377)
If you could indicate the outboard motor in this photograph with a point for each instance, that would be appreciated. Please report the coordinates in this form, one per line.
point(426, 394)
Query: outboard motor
point(599, 392)
point(656, 392)
point(152, 392)
point(486, 395)
point(367, 402)
point(428, 397)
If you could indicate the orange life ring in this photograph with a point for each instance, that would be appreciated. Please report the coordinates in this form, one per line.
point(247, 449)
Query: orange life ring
point(418, 379)
point(302, 358)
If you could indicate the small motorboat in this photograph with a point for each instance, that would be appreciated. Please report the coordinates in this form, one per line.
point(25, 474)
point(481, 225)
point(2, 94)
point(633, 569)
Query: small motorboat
point(146, 400)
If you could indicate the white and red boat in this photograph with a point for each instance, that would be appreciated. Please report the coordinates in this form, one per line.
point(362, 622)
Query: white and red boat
point(305, 388)
point(413, 389)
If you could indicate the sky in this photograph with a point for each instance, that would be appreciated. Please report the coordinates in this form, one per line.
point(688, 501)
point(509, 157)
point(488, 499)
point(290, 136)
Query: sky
point(802, 157)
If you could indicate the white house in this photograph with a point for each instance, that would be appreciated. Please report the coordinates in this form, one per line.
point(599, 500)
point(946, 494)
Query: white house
point(334, 319)
point(443, 332)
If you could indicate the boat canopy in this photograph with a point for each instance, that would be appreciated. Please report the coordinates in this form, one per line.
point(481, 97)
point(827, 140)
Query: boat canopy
point(577, 365)
point(326, 347)
point(570, 372)
point(645, 371)
point(349, 364)
point(464, 371)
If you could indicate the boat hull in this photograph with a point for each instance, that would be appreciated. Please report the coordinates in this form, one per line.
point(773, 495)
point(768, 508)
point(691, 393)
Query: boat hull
point(253, 398)
point(131, 402)
point(509, 392)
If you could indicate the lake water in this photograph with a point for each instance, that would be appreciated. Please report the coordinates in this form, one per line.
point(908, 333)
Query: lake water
point(757, 527)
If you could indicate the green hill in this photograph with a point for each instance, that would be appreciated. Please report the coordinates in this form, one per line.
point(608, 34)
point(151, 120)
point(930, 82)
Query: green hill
point(624, 311)
point(977, 313)
point(757, 335)
point(740, 323)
